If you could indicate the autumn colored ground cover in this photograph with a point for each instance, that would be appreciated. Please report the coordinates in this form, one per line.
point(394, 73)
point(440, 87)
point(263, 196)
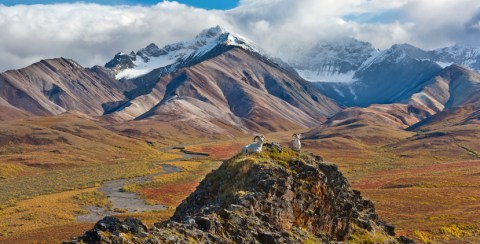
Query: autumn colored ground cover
point(428, 194)
point(38, 216)
point(171, 189)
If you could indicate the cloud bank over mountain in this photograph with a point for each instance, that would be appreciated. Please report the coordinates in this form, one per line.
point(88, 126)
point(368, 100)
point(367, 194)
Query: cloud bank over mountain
point(92, 33)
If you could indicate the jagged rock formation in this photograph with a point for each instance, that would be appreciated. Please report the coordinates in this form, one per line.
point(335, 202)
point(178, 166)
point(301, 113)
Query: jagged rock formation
point(175, 56)
point(276, 196)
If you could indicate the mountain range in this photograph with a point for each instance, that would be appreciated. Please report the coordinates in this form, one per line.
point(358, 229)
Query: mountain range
point(402, 124)
point(223, 83)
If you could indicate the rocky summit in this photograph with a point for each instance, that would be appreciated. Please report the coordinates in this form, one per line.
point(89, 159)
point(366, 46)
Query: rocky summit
point(276, 196)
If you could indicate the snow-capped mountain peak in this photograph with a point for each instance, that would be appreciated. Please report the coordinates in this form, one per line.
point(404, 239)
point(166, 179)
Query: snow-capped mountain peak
point(332, 61)
point(176, 55)
point(465, 55)
point(396, 54)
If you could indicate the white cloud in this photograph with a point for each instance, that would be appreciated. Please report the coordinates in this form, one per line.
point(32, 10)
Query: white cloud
point(476, 26)
point(92, 34)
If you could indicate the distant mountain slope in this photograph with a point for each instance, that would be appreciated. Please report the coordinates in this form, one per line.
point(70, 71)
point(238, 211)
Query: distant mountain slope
point(450, 99)
point(360, 130)
point(8, 112)
point(236, 88)
point(332, 61)
point(454, 86)
point(222, 80)
point(389, 77)
point(354, 73)
point(216, 82)
point(467, 56)
point(54, 86)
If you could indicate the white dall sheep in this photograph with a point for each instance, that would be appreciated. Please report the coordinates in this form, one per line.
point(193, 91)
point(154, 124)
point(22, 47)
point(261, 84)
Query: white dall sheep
point(297, 145)
point(256, 146)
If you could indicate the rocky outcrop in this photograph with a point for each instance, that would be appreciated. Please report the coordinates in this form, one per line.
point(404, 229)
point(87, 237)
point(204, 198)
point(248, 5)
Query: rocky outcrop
point(276, 196)
point(134, 229)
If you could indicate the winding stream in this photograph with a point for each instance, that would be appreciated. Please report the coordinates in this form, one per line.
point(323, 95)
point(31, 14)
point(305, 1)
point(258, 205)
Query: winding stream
point(130, 202)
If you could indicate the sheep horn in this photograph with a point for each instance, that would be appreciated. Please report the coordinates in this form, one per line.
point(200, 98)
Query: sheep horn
point(255, 138)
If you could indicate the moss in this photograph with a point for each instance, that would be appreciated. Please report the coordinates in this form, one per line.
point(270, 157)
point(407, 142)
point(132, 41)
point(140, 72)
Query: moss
point(424, 237)
point(237, 170)
point(360, 235)
point(452, 230)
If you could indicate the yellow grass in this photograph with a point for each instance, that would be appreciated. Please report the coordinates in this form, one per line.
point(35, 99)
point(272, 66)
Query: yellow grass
point(41, 212)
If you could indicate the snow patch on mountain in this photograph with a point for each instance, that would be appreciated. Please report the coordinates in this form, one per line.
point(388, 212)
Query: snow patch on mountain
point(332, 76)
point(444, 64)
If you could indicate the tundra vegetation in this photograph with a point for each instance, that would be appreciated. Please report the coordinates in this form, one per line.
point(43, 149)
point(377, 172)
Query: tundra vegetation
point(429, 195)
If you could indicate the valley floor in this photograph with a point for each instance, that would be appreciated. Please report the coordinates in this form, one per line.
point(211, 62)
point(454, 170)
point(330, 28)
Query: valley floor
point(427, 198)
point(51, 218)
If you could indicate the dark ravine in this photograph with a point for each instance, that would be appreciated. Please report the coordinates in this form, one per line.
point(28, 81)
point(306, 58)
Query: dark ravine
point(277, 196)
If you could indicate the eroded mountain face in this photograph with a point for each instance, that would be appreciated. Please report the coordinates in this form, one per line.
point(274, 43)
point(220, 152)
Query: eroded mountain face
point(55, 86)
point(237, 88)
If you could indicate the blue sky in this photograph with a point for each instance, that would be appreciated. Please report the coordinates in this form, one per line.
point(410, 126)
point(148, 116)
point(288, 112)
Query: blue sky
point(206, 4)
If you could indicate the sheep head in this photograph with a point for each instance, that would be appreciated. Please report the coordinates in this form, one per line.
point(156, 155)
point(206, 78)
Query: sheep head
point(260, 138)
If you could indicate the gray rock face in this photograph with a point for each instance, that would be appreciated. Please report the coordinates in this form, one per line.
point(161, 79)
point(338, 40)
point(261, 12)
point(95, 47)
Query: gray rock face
point(276, 196)
point(121, 61)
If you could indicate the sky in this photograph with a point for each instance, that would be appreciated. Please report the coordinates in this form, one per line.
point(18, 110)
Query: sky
point(205, 4)
point(93, 31)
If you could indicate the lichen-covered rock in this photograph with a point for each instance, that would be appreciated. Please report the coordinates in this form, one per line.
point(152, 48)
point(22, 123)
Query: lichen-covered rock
point(112, 230)
point(276, 196)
